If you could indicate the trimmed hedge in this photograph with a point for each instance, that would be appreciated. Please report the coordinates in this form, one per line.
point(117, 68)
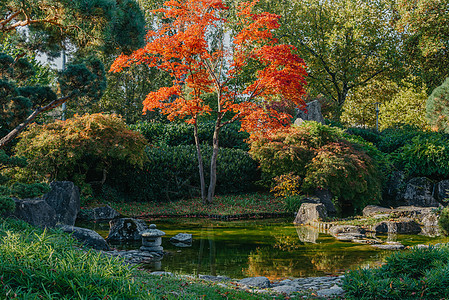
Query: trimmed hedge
point(172, 173)
point(175, 134)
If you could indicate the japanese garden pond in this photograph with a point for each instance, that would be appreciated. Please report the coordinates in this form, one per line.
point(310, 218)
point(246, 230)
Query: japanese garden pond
point(274, 248)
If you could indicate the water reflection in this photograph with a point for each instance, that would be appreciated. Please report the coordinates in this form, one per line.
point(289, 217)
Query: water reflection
point(307, 234)
point(272, 248)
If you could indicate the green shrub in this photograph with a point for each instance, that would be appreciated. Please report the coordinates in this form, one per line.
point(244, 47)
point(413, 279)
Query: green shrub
point(25, 190)
point(443, 221)
point(172, 173)
point(437, 107)
point(424, 156)
point(395, 138)
point(175, 134)
point(413, 274)
point(7, 204)
point(293, 203)
point(81, 149)
point(325, 158)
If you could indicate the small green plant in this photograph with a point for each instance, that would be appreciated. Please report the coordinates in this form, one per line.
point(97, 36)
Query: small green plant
point(293, 203)
point(443, 221)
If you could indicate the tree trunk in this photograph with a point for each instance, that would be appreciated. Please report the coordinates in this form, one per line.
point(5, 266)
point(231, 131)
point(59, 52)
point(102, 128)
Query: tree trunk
point(200, 163)
point(213, 163)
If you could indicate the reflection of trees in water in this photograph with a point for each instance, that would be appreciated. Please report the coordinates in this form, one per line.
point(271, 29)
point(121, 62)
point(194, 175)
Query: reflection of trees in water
point(272, 263)
point(287, 242)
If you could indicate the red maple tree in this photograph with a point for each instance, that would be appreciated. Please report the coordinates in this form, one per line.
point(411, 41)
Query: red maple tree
point(181, 48)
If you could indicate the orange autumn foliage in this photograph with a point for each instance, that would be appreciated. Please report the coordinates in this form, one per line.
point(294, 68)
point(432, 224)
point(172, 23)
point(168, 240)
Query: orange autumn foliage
point(180, 48)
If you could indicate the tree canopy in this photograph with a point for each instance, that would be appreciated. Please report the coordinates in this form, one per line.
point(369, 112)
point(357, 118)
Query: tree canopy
point(180, 47)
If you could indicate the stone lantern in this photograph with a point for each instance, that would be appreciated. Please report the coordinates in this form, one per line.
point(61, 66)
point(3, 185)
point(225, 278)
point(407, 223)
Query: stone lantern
point(152, 240)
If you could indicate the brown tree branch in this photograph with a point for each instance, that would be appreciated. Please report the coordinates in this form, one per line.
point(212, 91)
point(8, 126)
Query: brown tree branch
point(10, 136)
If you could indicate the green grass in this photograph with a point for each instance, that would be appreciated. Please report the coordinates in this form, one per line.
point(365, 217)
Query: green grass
point(36, 264)
point(222, 206)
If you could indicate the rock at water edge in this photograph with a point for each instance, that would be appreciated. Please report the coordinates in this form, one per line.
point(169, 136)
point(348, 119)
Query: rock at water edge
point(86, 236)
point(126, 229)
point(64, 197)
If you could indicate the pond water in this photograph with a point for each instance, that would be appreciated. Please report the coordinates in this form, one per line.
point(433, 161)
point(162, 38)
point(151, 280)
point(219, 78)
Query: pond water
point(273, 248)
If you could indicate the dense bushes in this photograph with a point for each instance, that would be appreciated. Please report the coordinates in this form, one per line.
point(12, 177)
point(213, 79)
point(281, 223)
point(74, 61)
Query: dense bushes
point(324, 158)
point(416, 152)
point(443, 220)
point(413, 274)
point(175, 134)
point(81, 149)
point(172, 173)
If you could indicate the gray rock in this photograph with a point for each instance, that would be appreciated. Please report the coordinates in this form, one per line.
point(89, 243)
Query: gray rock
point(419, 192)
point(309, 212)
point(285, 289)
point(313, 113)
point(339, 229)
point(182, 240)
point(161, 273)
point(332, 292)
point(442, 191)
point(349, 236)
point(372, 210)
point(260, 282)
point(389, 247)
point(36, 212)
point(430, 219)
point(325, 197)
point(64, 197)
point(86, 236)
point(126, 229)
point(104, 213)
point(401, 226)
point(394, 186)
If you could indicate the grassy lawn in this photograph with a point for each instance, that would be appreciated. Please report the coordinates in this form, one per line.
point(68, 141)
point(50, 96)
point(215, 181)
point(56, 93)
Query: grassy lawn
point(251, 204)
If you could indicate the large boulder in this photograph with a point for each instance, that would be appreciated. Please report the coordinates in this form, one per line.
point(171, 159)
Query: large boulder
point(126, 230)
point(400, 226)
point(310, 212)
point(393, 188)
point(313, 113)
point(64, 197)
point(104, 213)
point(442, 191)
point(36, 212)
point(182, 240)
point(325, 197)
point(419, 192)
point(86, 236)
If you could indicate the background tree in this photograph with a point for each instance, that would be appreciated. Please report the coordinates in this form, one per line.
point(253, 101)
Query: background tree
point(345, 44)
point(103, 25)
point(180, 48)
point(424, 25)
point(106, 26)
point(438, 107)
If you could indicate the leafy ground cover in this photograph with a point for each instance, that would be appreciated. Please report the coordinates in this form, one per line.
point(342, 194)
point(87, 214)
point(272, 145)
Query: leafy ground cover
point(37, 264)
point(248, 204)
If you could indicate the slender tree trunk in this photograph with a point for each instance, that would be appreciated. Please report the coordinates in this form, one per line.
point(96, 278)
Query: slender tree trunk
point(200, 163)
point(213, 163)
